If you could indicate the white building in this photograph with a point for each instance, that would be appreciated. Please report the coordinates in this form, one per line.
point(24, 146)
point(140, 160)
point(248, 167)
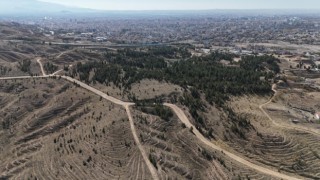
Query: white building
point(317, 115)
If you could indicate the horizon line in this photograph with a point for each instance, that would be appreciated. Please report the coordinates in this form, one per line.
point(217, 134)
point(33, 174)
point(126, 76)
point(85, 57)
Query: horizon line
point(186, 9)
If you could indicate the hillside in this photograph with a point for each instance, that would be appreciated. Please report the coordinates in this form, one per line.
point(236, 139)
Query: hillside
point(152, 113)
point(53, 132)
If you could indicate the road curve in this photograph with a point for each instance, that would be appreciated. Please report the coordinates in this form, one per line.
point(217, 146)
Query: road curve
point(181, 116)
point(41, 66)
point(132, 127)
point(287, 126)
point(99, 93)
point(261, 169)
point(119, 102)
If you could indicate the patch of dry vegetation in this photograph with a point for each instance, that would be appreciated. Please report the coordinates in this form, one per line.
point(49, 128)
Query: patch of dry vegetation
point(150, 89)
point(286, 150)
point(53, 129)
point(176, 152)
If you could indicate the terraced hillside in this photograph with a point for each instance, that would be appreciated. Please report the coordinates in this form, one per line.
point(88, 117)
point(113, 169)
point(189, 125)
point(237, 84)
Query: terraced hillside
point(53, 129)
point(58, 130)
point(178, 154)
point(286, 149)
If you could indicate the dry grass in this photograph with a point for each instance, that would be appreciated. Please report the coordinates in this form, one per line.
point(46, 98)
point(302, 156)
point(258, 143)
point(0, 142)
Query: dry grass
point(51, 129)
point(60, 131)
point(287, 150)
point(179, 155)
point(149, 89)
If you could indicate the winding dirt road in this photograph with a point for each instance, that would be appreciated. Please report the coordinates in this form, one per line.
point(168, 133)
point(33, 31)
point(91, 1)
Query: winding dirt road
point(41, 66)
point(99, 93)
point(287, 126)
point(126, 105)
point(261, 169)
point(181, 115)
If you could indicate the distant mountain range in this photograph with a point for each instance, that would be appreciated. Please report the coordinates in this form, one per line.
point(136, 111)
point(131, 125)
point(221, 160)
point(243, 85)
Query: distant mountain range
point(32, 7)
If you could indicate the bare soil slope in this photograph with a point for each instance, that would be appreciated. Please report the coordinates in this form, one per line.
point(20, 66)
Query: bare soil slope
point(53, 129)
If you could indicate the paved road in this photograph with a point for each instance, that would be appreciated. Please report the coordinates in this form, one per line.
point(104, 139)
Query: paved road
point(108, 45)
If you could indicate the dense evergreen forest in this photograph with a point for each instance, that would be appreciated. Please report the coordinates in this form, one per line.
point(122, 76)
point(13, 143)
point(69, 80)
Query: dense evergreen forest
point(199, 76)
point(203, 75)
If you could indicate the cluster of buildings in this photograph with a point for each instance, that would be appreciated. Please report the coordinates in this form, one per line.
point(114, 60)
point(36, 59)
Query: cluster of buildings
point(207, 30)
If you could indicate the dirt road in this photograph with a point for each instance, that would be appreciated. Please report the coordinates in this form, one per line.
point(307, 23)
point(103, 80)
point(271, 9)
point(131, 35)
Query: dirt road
point(99, 93)
point(41, 66)
point(180, 115)
point(109, 98)
point(261, 169)
point(22, 77)
point(62, 53)
point(287, 126)
point(152, 169)
point(126, 105)
point(57, 72)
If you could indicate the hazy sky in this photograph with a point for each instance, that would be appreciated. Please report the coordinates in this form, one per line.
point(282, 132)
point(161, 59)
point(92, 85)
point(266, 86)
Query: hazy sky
point(190, 4)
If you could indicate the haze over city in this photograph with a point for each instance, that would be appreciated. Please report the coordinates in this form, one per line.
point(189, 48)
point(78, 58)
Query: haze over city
point(189, 4)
